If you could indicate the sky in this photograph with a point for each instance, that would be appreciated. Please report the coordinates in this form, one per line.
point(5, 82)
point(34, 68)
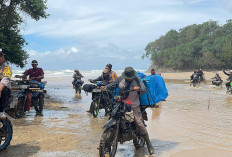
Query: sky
point(88, 34)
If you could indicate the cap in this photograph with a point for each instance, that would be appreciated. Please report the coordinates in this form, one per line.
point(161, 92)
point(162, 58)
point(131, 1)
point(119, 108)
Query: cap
point(34, 62)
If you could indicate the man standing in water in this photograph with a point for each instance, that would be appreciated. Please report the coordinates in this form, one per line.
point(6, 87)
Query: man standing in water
point(36, 74)
point(5, 85)
point(129, 80)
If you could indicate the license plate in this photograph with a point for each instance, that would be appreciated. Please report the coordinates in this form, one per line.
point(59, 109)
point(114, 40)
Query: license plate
point(96, 90)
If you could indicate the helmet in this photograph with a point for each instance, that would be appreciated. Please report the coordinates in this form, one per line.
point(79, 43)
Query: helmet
point(34, 62)
point(109, 66)
point(76, 70)
point(231, 71)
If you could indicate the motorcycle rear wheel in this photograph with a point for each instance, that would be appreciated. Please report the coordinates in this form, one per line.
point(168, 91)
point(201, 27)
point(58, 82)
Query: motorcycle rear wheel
point(6, 132)
point(38, 108)
point(19, 111)
point(109, 143)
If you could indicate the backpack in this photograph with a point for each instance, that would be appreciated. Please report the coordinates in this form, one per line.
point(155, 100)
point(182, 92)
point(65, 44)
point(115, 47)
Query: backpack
point(88, 87)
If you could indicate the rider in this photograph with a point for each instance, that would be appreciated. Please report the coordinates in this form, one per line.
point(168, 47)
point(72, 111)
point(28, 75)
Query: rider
point(105, 77)
point(36, 74)
point(112, 74)
point(194, 75)
point(153, 72)
point(200, 74)
point(217, 77)
point(5, 85)
point(129, 79)
point(77, 77)
point(229, 79)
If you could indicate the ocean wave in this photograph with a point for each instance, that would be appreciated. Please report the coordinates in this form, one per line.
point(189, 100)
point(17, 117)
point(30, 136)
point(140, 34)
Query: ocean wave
point(69, 73)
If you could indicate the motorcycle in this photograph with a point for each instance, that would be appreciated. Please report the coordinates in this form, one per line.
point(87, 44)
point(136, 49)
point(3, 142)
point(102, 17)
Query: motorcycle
point(101, 99)
point(6, 128)
point(29, 87)
point(120, 128)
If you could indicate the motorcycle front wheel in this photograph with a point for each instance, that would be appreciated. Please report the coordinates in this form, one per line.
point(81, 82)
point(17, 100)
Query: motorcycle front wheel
point(19, 111)
point(109, 142)
point(138, 141)
point(95, 107)
point(6, 132)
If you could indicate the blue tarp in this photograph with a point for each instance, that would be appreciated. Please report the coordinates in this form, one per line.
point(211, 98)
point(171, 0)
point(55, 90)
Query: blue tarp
point(156, 90)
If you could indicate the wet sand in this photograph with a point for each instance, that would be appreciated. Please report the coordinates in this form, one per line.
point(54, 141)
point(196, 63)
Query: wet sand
point(182, 126)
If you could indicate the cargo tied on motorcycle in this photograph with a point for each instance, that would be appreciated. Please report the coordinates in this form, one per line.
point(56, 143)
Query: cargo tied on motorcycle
point(30, 94)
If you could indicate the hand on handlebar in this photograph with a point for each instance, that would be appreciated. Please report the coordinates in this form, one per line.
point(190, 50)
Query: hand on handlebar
point(136, 88)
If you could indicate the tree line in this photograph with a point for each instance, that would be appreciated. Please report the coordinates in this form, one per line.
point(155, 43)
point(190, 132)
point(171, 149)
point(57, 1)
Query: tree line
point(11, 18)
point(207, 45)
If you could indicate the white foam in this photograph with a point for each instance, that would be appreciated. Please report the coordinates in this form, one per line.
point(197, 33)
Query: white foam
point(69, 73)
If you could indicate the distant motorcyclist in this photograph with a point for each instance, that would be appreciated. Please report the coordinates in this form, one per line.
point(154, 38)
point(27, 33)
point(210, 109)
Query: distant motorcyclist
point(77, 77)
point(217, 77)
point(229, 79)
point(217, 80)
point(200, 74)
point(36, 74)
point(129, 80)
point(111, 73)
point(194, 75)
point(5, 85)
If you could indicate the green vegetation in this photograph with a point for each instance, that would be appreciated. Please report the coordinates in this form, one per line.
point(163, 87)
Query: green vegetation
point(11, 17)
point(206, 45)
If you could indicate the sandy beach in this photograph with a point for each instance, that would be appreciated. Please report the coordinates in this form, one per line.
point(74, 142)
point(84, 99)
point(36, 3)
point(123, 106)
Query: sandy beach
point(182, 126)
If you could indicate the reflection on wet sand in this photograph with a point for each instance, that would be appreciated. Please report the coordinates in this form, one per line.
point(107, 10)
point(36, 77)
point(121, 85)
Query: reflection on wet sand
point(156, 111)
point(181, 126)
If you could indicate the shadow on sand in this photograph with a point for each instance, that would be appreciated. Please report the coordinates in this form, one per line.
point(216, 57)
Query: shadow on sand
point(24, 150)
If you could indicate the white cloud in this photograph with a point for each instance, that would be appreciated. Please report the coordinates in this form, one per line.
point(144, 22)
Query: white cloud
point(75, 50)
point(92, 27)
point(88, 56)
point(113, 20)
